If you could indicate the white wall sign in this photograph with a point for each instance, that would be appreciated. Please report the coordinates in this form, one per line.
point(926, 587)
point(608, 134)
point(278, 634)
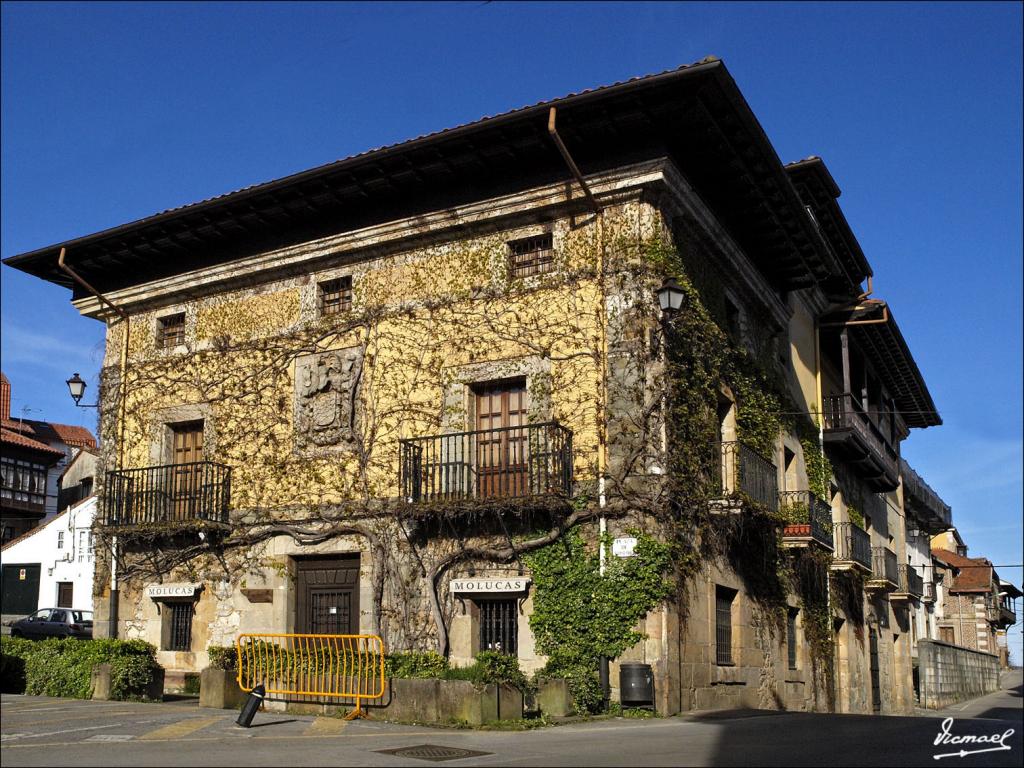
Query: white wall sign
point(501, 584)
point(624, 546)
point(158, 591)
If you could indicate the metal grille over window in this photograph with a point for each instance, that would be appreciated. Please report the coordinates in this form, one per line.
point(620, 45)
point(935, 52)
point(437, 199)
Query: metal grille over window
point(791, 639)
point(181, 626)
point(723, 625)
point(336, 296)
point(172, 330)
point(531, 255)
point(499, 626)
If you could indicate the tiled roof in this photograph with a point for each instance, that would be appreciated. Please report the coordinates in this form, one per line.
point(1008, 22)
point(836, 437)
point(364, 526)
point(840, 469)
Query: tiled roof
point(435, 134)
point(975, 572)
point(69, 434)
point(10, 437)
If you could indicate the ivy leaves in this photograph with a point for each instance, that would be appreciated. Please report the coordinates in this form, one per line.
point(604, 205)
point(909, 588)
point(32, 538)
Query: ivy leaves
point(580, 615)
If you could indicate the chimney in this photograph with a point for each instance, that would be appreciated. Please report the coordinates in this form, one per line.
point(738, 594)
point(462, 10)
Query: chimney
point(5, 398)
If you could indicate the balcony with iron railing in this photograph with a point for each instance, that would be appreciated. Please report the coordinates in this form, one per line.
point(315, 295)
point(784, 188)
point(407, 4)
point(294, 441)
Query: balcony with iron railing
point(534, 460)
point(851, 430)
point(746, 480)
point(910, 584)
point(170, 494)
point(852, 548)
point(884, 570)
point(808, 519)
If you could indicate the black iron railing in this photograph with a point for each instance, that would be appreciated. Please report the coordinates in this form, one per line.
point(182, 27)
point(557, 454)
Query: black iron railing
point(852, 544)
point(510, 462)
point(746, 472)
point(911, 582)
point(171, 493)
point(806, 516)
point(884, 566)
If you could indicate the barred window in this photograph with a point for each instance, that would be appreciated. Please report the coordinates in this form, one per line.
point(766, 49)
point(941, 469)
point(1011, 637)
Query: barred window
point(791, 638)
point(723, 625)
point(172, 331)
point(531, 255)
point(336, 296)
point(499, 626)
point(180, 619)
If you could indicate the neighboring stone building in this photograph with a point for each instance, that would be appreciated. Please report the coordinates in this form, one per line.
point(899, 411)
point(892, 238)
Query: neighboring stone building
point(379, 387)
point(34, 456)
point(978, 604)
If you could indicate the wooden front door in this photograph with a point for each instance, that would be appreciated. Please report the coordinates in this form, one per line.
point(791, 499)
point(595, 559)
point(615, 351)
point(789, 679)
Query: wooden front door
point(502, 459)
point(328, 596)
point(186, 473)
point(65, 594)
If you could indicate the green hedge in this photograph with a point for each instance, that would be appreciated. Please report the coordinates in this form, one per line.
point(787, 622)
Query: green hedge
point(63, 667)
point(223, 657)
point(489, 667)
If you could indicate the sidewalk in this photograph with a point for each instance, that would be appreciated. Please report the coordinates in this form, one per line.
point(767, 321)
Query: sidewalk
point(1005, 704)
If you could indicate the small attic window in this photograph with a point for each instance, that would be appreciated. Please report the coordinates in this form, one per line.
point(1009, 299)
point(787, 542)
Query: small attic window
point(172, 331)
point(531, 255)
point(336, 296)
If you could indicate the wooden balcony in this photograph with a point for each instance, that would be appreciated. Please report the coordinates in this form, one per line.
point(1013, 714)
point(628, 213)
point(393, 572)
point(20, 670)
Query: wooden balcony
point(1001, 613)
point(524, 462)
point(851, 431)
point(809, 520)
point(933, 511)
point(175, 495)
point(747, 481)
point(928, 591)
point(884, 570)
point(911, 585)
point(852, 548)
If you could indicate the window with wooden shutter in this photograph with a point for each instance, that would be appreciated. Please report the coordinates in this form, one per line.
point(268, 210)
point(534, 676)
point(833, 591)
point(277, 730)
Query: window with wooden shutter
point(502, 442)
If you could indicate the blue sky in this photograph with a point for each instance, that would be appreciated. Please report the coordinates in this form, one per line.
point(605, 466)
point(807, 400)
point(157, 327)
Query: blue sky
point(115, 111)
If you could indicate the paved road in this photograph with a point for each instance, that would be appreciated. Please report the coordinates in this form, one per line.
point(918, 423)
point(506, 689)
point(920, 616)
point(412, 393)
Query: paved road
point(41, 731)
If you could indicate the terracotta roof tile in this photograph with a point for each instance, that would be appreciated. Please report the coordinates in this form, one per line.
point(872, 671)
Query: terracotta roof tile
point(10, 437)
point(975, 572)
point(69, 434)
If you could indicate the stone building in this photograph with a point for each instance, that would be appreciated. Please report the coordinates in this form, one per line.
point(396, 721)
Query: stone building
point(978, 605)
point(33, 457)
point(360, 398)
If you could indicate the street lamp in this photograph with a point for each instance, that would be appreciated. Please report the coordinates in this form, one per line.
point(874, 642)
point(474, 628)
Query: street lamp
point(76, 385)
point(670, 295)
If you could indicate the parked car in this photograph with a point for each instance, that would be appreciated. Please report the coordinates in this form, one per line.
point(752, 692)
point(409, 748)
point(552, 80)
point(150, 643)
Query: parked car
point(54, 622)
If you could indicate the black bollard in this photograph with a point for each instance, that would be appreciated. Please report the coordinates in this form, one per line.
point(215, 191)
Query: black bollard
point(251, 705)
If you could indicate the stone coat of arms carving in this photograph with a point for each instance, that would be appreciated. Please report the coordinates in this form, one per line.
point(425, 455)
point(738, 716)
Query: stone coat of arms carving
point(326, 388)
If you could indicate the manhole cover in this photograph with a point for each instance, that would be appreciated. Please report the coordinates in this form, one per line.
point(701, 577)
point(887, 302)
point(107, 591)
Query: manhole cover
point(432, 752)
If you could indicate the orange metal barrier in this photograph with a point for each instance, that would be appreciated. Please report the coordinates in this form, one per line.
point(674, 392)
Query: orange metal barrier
point(339, 666)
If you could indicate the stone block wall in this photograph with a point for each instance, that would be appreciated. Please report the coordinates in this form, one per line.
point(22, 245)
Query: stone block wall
point(950, 673)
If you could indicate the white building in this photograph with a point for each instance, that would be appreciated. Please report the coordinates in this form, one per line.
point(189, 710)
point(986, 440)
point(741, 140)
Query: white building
point(51, 565)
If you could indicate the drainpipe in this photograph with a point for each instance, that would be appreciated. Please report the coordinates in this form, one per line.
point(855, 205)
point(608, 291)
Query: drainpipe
point(602, 437)
point(114, 592)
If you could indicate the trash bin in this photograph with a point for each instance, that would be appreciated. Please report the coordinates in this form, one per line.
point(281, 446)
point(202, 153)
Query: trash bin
point(636, 685)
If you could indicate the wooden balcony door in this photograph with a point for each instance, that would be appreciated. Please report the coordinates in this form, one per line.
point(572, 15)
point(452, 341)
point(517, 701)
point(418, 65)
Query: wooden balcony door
point(502, 459)
point(186, 473)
